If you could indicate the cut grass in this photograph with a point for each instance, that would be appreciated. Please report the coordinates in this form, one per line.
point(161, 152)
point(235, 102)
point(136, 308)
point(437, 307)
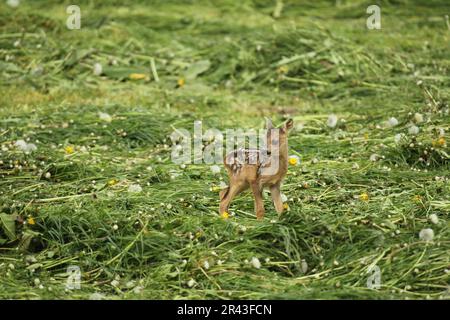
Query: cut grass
point(239, 64)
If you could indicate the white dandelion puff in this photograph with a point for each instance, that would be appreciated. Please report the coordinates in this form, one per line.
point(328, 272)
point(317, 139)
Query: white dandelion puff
point(434, 218)
point(332, 121)
point(215, 169)
point(98, 69)
point(413, 130)
point(24, 146)
point(418, 117)
point(13, 3)
point(256, 263)
point(134, 188)
point(191, 283)
point(392, 122)
point(398, 137)
point(104, 117)
point(284, 198)
point(426, 234)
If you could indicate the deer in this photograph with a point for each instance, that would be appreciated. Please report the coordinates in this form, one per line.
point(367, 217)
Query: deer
point(257, 169)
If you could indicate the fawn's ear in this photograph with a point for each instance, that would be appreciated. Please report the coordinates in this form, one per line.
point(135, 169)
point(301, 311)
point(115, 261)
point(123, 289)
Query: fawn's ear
point(269, 124)
point(289, 124)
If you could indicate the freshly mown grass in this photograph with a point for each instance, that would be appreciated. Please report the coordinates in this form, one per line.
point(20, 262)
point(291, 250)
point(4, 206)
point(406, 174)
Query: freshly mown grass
point(229, 64)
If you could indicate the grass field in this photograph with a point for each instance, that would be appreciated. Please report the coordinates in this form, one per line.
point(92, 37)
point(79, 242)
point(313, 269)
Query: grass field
point(100, 190)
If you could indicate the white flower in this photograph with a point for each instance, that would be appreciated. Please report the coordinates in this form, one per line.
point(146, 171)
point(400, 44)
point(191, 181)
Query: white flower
point(434, 218)
point(215, 169)
point(426, 234)
point(135, 188)
point(104, 117)
point(115, 227)
point(191, 283)
point(332, 121)
point(37, 282)
point(304, 266)
point(169, 206)
point(25, 147)
point(255, 263)
point(98, 69)
point(392, 122)
point(47, 175)
point(418, 118)
point(13, 3)
point(206, 264)
point(373, 157)
point(96, 296)
point(398, 137)
point(284, 197)
point(413, 130)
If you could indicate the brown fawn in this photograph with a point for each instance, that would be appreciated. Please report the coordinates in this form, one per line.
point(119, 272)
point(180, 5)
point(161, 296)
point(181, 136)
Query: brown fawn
point(258, 169)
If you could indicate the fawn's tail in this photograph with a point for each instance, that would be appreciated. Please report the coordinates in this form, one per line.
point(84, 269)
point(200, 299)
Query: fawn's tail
point(223, 193)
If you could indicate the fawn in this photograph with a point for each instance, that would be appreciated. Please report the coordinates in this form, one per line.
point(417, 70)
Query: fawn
point(257, 169)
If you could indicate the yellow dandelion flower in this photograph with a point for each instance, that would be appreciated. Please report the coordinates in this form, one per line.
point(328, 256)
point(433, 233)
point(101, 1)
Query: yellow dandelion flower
point(198, 234)
point(225, 215)
point(137, 76)
point(69, 149)
point(441, 141)
point(181, 82)
point(283, 69)
point(364, 196)
point(294, 160)
point(215, 189)
point(112, 182)
point(285, 206)
point(417, 198)
point(366, 136)
point(31, 221)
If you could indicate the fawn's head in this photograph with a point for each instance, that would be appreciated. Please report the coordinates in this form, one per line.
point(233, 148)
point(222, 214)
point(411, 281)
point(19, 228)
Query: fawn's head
point(277, 137)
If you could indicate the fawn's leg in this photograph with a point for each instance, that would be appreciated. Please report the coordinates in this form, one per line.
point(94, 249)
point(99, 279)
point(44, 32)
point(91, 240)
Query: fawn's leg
point(275, 192)
point(228, 194)
point(259, 204)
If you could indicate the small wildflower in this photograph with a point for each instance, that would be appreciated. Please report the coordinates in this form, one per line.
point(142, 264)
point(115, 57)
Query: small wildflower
point(25, 147)
point(294, 160)
point(69, 149)
point(13, 3)
point(225, 215)
point(104, 117)
point(392, 122)
point(191, 283)
point(426, 234)
point(434, 218)
point(283, 69)
point(364, 196)
point(206, 264)
point(31, 221)
point(417, 198)
point(285, 206)
point(256, 263)
point(284, 198)
point(439, 142)
point(134, 188)
point(215, 169)
point(112, 182)
point(115, 227)
point(98, 69)
point(413, 130)
point(373, 157)
point(418, 118)
point(181, 82)
point(398, 137)
point(137, 76)
point(47, 175)
point(332, 121)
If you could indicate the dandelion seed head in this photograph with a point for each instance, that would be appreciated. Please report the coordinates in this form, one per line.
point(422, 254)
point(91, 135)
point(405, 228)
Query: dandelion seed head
point(426, 234)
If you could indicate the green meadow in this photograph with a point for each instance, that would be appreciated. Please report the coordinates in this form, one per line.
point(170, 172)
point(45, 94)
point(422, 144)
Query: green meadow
point(87, 180)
